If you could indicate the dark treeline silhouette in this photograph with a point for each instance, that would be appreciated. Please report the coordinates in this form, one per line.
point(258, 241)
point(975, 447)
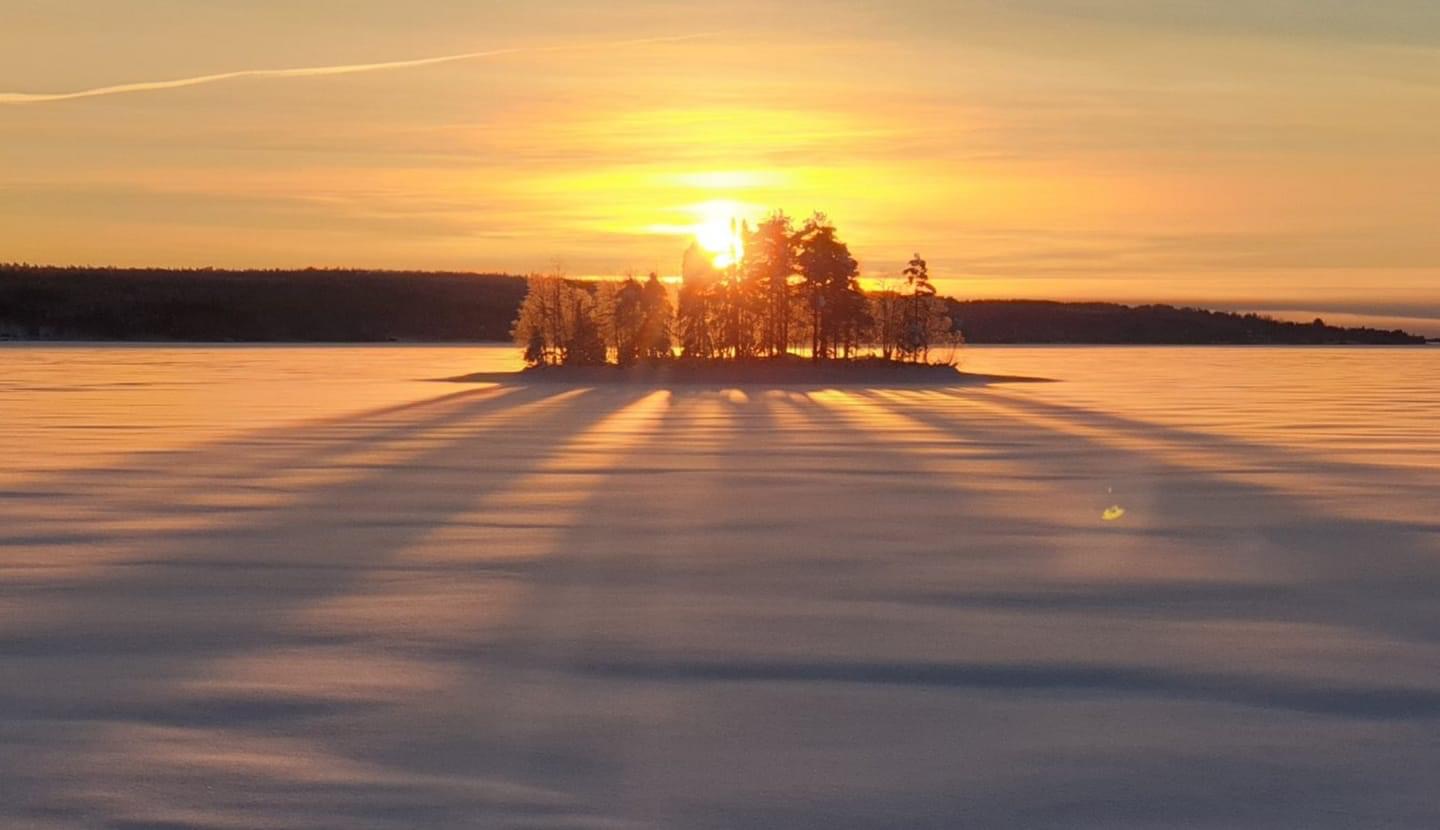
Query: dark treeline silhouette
point(256, 306)
point(1038, 321)
point(780, 290)
point(207, 305)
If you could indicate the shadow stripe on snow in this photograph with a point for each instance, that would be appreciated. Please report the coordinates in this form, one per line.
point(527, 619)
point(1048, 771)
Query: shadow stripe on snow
point(1347, 701)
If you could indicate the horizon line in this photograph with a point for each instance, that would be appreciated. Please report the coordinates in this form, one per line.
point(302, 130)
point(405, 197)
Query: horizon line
point(1261, 306)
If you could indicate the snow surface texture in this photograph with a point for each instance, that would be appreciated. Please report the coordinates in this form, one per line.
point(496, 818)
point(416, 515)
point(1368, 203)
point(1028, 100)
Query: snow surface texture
point(627, 607)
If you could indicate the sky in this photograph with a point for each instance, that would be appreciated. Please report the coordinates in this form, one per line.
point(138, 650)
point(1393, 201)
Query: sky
point(1272, 155)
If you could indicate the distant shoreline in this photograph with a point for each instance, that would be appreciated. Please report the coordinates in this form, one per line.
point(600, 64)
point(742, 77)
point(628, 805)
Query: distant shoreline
point(313, 306)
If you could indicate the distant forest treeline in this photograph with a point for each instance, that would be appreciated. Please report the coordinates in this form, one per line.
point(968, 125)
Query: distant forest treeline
point(1040, 321)
point(263, 306)
point(376, 306)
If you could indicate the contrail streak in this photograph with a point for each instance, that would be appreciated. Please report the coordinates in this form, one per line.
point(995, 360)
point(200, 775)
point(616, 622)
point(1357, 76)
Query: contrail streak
point(322, 71)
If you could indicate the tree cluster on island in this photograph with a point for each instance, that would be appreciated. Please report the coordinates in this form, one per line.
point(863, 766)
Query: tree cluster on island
point(783, 290)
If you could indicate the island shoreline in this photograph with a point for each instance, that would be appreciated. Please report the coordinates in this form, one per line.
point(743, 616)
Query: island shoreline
point(756, 373)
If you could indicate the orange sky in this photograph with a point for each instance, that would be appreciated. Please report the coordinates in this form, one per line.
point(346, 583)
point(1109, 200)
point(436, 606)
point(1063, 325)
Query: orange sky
point(1280, 155)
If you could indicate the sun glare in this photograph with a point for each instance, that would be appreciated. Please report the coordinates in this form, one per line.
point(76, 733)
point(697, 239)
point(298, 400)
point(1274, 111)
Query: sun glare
point(718, 232)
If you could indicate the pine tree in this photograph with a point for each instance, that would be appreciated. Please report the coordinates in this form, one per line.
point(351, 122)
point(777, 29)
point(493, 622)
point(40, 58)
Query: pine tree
point(919, 325)
point(830, 282)
point(656, 321)
point(770, 264)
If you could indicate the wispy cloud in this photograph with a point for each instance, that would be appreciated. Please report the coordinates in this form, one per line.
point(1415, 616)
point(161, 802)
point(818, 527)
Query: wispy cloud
point(324, 71)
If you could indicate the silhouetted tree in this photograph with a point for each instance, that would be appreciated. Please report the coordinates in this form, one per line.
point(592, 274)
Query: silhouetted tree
point(830, 282)
point(534, 328)
point(557, 324)
point(920, 323)
point(736, 303)
point(770, 252)
point(584, 346)
point(655, 341)
point(628, 318)
point(694, 314)
point(535, 347)
point(887, 313)
point(605, 299)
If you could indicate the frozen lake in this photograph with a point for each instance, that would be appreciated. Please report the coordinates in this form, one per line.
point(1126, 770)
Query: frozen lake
point(309, 587)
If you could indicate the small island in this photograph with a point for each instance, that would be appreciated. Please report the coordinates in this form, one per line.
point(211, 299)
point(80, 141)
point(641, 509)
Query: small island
point(791, 372)
point(775, 304)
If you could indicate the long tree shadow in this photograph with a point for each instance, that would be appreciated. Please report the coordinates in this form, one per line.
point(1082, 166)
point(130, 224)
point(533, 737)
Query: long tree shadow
point(177, 482)
point(1370, 574)
point(129, 645)
point(854, 589)
point(1241, 455)
point(347, 526)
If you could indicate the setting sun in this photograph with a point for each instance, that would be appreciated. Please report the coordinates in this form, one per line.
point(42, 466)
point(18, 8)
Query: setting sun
point(718, 232)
